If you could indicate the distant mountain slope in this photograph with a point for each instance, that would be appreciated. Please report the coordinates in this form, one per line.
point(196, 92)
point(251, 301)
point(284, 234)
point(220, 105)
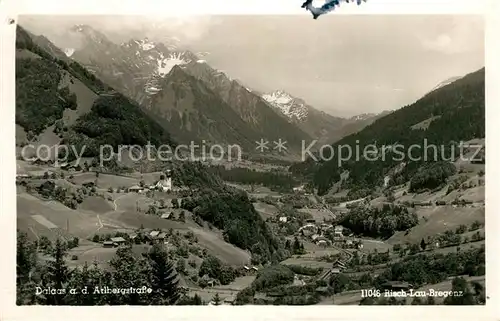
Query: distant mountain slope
point(252, 108)
point(318, 124)
point(461, 111)
point(192, 112)
point(54, 95)
point(138, 68)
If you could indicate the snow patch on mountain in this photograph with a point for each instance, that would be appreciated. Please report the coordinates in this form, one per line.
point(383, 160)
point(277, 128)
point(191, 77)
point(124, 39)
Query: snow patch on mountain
point(69, 52)
point(290, 106)
point(145, 44)
point(445, 83)
point(166, 64)
point(362, 117)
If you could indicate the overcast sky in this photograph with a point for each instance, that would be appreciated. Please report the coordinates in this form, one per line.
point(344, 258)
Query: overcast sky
point(341, 64)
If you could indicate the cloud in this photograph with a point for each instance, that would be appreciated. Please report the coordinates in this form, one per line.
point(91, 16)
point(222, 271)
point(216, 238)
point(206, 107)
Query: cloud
point(462, 37)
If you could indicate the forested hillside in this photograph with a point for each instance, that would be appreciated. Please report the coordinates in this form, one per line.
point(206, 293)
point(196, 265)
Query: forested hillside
point(457, 112)
point(116, 120)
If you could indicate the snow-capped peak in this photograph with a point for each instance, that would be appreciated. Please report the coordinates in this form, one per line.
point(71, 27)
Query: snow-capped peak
point(87, 30)
point(145, 44)
point(291, 107)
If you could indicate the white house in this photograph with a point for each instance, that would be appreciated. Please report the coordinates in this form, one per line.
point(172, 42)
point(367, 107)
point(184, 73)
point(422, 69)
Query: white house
point(283, 219)
point(164, 185)
point(298, 189)
point(338, 230)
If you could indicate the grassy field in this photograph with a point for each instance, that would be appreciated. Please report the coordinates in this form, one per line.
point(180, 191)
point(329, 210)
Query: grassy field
point(265, 210)
point(217, 246)
point(434, 220)
point(80, 223)
point(105, 180)
point(318, 215)
point(96, 204)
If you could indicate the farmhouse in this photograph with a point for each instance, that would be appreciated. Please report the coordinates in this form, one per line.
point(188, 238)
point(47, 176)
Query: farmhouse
point(262, 297)
point(298, 282)
point(108, 244)
point(326, 227)
point(322, 243)
point(210, 281)
point(338, 231)
point(230, 300)
point(161, 236)
point(308, 229)
point(283, 219)
point(118, 240)
point(396, 285)
point(164, 185)
point(321, 239)
point(322, 290)
point(166, 215)
point(135, 189)
point(154, 234)
point(22, 176)
point(298, 189)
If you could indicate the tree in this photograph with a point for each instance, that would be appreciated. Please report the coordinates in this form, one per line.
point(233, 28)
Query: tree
point(416, 301)
point(163, 278)
point(182, 216)
point(181, 266)
point(129, 271)
point(57, 274)
point(175, 203)
point(459, 285)
point(430, 300)
point(216, 299)
point(26, 258)
point(423, 245)
point(340, 282)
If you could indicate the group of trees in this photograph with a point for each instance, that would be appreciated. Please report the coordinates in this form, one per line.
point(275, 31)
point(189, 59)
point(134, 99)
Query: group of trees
point(431, 176)
point(274, 180)
point(379, 222)
point(152, 270)
point(48, 189)
point(423, 269)
point(234, 214)
point(214, 268)
point(114, 120)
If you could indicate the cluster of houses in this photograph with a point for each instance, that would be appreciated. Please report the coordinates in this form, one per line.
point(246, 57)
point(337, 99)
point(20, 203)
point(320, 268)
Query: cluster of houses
point(153, 236)
point(164, 184)
point(338, 266)
point(115, 242)
point(317, 232)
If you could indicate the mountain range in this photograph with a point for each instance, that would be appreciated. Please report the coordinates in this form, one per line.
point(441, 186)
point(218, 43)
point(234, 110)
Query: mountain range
point(189, 99)
point(210, 105)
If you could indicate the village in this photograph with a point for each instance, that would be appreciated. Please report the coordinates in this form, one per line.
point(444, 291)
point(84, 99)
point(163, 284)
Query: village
point(138, 210)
